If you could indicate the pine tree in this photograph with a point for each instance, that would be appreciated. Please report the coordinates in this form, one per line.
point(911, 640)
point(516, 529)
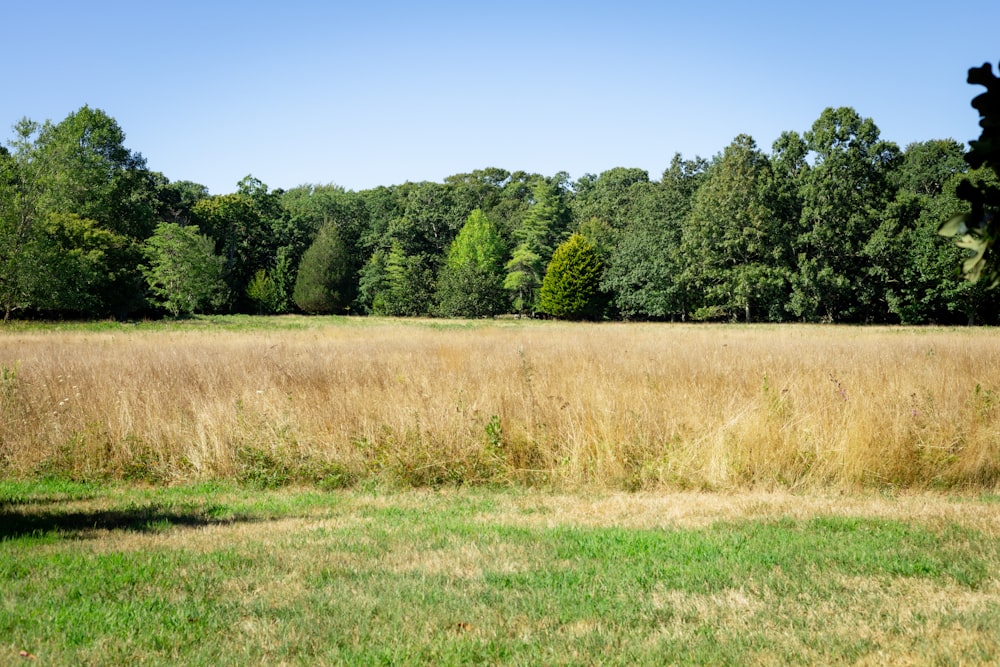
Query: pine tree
point(537, 236)
point(320, 286)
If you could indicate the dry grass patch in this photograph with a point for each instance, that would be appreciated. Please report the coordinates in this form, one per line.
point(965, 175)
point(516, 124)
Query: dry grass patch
point(616, 406)
point(652, 510)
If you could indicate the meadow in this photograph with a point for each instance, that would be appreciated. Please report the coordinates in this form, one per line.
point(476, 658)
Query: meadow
point(333, 402)
point(360, 491)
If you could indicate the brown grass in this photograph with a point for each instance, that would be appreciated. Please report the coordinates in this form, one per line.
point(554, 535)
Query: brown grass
point(614, 406)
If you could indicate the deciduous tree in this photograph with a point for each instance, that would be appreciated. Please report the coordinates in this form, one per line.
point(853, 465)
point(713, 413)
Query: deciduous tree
point(184, 274)
point(470, 283)
point(843, 196)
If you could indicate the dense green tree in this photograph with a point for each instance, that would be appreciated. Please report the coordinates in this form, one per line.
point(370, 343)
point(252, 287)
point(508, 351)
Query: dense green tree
point(266, 293)
point(176, 200)
point(371, 282)
point(55, 177)
point(382, 205)
point(88, 171)
point(470, 283)
point(184, 274)
point(915, 266)
point(513, 203)
point(645, 270)
point(480, 189)
point(429, 221)
point(77, 169)
point(925, 282)
point(601, 234)
point(246, 226)
point(407, 284)
point(737, 248)
point(572, 286)
point(86, 263)
point(789, 167)
point(612, 197)
point(537, 236)
point(843, 196)
point(309, 208)
point(927, 168)
point(525, 272)
point(61, 264)
point(321, 285)
point(19, 234)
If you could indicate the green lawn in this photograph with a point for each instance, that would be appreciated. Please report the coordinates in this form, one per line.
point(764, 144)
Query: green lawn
point(221, 574)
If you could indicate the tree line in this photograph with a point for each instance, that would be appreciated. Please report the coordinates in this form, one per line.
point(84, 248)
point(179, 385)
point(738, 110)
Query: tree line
point(834, 224)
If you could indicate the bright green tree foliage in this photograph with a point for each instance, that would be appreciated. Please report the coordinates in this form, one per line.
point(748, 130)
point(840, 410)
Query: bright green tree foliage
point(184, 274)
point(57, 177)
point(88, 171)
point(525, 272)
point(572, 286)
point(265, 292)
point(321, 285)
point(82, 264)
point(470, 283)
point(537, 237)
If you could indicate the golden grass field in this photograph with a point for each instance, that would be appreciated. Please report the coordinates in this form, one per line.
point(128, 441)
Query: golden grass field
point(612, 406)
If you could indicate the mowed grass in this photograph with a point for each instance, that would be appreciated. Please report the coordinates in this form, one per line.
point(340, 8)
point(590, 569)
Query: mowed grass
point(217, 574)
point(335, 402)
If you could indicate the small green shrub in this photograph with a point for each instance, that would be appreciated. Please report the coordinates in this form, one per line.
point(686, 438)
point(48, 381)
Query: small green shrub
point(261, 468)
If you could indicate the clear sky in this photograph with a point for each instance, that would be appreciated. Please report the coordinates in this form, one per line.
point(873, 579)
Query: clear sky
point(374, 93)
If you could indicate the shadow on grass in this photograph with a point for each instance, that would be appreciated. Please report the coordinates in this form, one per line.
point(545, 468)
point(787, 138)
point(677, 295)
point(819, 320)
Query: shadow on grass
point(15, 523)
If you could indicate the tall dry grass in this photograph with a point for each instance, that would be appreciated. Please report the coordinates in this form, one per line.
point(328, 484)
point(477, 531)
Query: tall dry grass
point(612, 405)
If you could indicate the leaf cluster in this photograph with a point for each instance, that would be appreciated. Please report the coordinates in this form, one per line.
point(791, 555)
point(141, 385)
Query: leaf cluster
point(978, 230)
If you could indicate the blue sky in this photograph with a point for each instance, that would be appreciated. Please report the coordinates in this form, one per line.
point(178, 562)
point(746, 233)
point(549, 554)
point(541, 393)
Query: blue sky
point(379, 93)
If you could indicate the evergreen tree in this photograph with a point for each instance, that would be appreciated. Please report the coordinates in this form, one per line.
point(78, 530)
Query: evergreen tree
point(537, 236)
point(321, 283)
point(571, 288)
point(738, 248)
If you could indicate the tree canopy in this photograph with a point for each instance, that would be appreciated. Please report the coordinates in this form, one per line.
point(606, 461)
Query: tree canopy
point(833, 224)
